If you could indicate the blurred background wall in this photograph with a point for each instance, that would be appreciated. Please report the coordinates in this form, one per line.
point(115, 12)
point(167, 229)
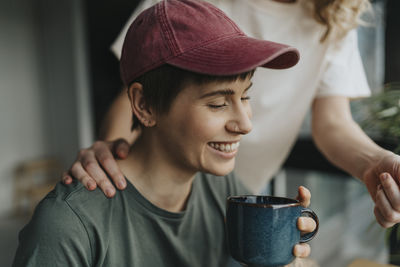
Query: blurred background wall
point(45, 105)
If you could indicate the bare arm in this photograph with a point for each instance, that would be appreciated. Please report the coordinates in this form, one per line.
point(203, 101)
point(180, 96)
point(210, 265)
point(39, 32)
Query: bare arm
point(343, 142)
point(118, 121)
point(340, 139)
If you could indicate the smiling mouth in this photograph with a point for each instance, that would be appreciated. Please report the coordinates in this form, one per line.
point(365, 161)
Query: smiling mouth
point(224, 146)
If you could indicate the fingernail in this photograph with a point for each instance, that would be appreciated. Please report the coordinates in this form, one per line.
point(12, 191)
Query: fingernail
point(121, 184)
point(109, 192)
point(91, 185)
point(384, 176)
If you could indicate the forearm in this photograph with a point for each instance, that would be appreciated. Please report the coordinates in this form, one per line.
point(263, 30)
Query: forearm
point(347, 146)
point(118, 121)
point(341, 140)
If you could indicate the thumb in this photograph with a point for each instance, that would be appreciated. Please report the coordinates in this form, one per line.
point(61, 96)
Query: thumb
point(120, 148)
point(304, 196)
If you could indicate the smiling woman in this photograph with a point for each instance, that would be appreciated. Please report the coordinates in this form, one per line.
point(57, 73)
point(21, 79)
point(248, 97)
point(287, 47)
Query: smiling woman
point(197, 133)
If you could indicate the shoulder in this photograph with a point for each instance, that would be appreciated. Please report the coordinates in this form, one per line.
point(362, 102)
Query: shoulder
point(64, 212)
point(56, 213)
point(63, 227)
point(55, 207)
point(344, 46)
point(72, 197)
point(54, 231)
point(91, 208)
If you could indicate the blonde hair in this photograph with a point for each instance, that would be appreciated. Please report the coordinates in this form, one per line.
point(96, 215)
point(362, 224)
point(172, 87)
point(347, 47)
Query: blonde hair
point(339, 16)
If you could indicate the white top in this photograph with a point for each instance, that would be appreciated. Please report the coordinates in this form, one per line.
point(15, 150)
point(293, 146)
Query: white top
point(281, 98)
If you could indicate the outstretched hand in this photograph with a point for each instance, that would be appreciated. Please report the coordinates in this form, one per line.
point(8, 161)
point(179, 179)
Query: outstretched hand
point(382, 181)
point(94, 166)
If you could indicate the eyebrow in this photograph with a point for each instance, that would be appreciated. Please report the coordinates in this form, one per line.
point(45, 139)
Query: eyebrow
point(223, 92)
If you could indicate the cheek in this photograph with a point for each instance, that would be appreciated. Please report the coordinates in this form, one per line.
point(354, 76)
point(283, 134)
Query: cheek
point(204, 128)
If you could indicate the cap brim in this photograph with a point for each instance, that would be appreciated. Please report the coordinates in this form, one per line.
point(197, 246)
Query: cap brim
point(235, 55)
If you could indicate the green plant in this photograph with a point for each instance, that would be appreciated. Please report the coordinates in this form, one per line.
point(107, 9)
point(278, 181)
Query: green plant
point(379, 115)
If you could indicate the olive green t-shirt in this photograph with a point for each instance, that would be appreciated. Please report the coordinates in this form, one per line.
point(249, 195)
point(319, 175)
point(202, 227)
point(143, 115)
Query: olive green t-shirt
point(72, 226)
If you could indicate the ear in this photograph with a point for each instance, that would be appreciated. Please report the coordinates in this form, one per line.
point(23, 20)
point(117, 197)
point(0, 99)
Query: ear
point(140, 108)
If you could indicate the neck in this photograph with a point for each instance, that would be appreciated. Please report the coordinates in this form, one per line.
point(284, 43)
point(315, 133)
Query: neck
point(150, 169)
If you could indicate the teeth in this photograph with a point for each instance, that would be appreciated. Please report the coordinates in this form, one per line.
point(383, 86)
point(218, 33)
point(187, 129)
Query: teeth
point(234, 146)
point(225, 147)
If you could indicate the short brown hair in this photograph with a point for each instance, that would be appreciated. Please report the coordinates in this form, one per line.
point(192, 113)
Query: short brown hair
point(163, 84)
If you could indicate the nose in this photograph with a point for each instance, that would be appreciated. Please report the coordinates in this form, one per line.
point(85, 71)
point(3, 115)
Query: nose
point(240, 122)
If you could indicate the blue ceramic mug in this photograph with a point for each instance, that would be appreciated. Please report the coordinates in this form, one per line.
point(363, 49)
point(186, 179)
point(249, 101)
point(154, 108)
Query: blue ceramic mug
point(262, 230)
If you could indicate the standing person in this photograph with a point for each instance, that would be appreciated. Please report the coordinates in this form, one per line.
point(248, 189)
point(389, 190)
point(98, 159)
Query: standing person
point(328, 76)
point(193, 110)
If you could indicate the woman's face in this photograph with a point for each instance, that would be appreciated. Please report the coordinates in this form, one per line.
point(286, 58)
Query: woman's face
point(203, 128)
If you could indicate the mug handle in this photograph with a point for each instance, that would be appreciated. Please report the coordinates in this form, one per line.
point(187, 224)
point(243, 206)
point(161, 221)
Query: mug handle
point(306, 212)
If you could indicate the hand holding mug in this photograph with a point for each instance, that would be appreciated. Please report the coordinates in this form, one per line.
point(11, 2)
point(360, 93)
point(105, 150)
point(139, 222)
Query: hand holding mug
point(265, 230)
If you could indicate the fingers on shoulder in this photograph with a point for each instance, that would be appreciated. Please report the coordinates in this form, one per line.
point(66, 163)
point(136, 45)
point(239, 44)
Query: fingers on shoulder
point(121, 147)
point(66, 178)
point(78, 172)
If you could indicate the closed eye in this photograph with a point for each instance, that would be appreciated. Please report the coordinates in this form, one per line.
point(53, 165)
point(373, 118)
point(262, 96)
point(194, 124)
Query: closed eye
point(217, 106)
point(225, 93)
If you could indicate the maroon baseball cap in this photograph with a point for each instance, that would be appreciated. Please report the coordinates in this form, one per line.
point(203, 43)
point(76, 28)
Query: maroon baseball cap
point(195, 35)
